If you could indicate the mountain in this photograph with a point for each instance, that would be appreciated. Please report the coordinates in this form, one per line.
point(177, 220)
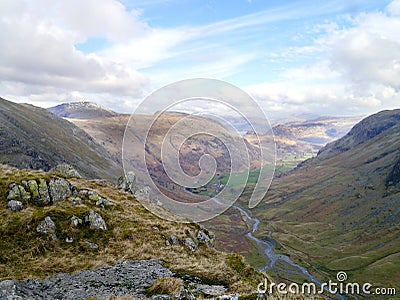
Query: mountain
point(109, 132)
point(32, 137)
point(81, 110)
point(302, 139)
point(340, 211)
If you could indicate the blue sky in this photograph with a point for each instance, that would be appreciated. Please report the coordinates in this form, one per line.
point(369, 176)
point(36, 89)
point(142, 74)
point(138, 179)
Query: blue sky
point(320, 57)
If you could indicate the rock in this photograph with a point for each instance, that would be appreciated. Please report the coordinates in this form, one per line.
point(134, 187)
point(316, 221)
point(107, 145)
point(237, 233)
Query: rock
point(209, 290)
point(192, 234)
point(126, 277)
point(32, 187)
point(102, 182)
point(59, 189)
point(43, 192)
point(14, 205)
point(104, 203)
point(174, 240)
point(75, 221)
point(93, 196)
point(91, 245)
point(25, 196)
point(142, 191)
point(127, 182)
point(8, 290)
point(13, 193)
point(39, 192)
point(48, 227)
point(228, 297)
point(75, 200)
point(67, 170)
point(206, 236)
point(96, 221)
point(185, 294)
point(188, 242)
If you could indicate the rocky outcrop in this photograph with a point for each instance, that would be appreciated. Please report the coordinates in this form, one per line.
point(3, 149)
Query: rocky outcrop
point(67, 170)
point(194, 239)
point(206, 236)
point(129, 183)
point(394, 176)
point(96, 221)
point(40, 192)
point(124, 278)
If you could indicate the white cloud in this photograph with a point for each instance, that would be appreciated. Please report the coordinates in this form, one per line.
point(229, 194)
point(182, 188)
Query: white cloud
point(394, 8)
point(39, 56)
point(356, 69)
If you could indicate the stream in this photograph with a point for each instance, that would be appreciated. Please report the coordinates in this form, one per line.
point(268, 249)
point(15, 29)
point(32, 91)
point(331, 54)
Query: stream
point(279, 263)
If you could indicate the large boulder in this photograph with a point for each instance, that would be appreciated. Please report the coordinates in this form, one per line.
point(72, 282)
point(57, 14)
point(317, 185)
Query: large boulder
point(59, 189)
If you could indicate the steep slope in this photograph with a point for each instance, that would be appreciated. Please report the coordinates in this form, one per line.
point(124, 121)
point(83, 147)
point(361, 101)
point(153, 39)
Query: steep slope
point(32, 137)
point(341, 210)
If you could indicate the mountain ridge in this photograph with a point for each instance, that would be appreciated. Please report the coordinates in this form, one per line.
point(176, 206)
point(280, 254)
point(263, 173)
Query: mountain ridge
point(32, 137)
point(340, 210)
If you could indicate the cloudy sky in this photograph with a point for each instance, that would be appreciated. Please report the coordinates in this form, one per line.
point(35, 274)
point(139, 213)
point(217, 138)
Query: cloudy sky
point(332, 57)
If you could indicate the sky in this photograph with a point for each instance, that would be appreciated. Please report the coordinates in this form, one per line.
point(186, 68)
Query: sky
point(317, 57)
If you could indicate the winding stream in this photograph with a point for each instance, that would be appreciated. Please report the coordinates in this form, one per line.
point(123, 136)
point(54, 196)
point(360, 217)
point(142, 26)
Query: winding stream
point(287, 267)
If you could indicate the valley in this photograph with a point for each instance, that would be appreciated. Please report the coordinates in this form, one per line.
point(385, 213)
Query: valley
point(333, 204)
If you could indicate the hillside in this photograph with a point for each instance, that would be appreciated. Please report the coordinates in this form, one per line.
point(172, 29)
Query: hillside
point(32, 137)
point(340, 210)
point(76, 224)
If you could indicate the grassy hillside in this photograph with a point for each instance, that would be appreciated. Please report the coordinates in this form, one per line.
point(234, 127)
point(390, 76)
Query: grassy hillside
point(132, 233)
point(341, 210)
point(32, 137)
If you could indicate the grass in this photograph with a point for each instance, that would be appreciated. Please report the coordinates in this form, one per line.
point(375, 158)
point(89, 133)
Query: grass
point(165, 286)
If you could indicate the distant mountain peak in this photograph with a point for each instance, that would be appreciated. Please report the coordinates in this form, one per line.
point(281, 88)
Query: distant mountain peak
point(82, 110)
